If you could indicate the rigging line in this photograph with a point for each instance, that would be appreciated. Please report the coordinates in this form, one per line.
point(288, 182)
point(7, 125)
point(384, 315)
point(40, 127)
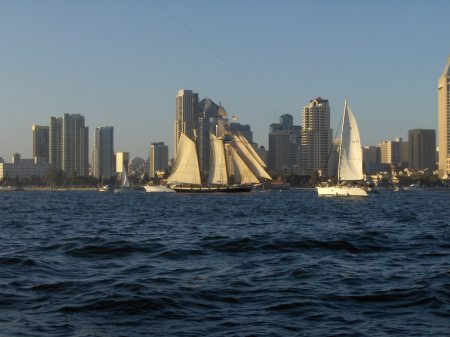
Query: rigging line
point(216, 54)
point(331, 147)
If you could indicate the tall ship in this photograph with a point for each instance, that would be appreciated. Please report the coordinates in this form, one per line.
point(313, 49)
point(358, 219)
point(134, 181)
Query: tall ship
point(234, 166)
point(350, 179)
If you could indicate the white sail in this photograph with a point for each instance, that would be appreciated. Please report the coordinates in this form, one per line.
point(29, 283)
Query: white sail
point(125, 181)
point(185, 169)
point(248, 158)
point(350, 164)
point(252, 150)
point(218, 165)
point(242, 174)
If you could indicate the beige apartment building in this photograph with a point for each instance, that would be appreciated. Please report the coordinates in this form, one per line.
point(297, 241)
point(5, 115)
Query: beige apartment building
point(316, 136)
point(186, 115)
point(122, 161)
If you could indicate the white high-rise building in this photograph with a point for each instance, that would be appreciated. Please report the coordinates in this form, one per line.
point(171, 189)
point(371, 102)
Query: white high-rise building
point(103, 154)
point(158, 159)
point(316, 136)
point(444, 121)
point(186, 115)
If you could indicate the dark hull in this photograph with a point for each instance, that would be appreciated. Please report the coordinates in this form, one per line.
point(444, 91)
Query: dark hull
point(212, 189)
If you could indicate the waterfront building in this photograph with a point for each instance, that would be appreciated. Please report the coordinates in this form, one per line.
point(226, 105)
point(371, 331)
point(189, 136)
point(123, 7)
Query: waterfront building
point(122, 161)
point(242, 129)
point(371, 159)
point(103, 153)
point(390, 152)
point(40, 135)
point(158, 159)
point(422, 149)
point(187, 113)
point(316, 136)
point(207, 120)
point(284, 146)
point(69, 144)
point(55, 144)
point(262, 152)
point(23, 168)
point(137, 167)
point(444, 121)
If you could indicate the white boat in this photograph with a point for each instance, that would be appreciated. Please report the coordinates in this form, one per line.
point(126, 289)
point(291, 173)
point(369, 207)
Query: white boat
point(413, 187)
point(125, 184)
point(105, 188)
point(234, 167)
point(157, 189)
point(350, 173)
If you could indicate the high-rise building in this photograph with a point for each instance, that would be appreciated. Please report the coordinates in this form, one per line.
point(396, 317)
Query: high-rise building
point(122, 161)
point(69, 144)
point(242, 129)
point(284, 146)
point(55, 144)
point(40, 142)
point(371, 159)
point(158, 159)
point(390, 152)
point(444, 120)
point(316, 136)
point(207, 120)
point(103, 155)
point(187, 113)
point(422, 149)
point(262, 152)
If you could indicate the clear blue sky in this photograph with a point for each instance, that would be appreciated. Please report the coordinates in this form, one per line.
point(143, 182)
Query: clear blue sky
point(121, 63)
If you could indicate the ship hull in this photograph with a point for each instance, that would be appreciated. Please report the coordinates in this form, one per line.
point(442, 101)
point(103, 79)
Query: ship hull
point(341, 191)
point(211, 189)
point(157, 189)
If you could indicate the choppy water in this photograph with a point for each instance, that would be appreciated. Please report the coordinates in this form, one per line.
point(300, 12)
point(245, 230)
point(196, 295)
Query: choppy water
point(259, 264)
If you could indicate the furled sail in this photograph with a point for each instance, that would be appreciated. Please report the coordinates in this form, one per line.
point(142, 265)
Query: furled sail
point(252, 150)
point(242, 174)
point(218, 166)
point(248, 158)
point(350, 164)
point(185, 169)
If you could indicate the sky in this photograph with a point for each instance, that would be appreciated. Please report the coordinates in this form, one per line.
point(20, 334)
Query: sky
point(121, 64)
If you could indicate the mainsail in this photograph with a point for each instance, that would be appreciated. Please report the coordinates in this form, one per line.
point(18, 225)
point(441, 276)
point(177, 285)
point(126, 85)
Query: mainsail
point(125, 181)
point(242, 174)
point(185, 169)
point(249, 159)
point(350, 159)
point(218, 165)
point(251, 150)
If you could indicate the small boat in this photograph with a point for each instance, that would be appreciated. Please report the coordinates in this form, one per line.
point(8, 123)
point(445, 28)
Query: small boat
point(413, 187)
point(157, 188)
point(350, 172)
point(125, 184)
point(396, 189)
point(106, 188)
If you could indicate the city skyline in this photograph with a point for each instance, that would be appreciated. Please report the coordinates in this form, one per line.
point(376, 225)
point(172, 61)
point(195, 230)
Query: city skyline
point(127, 75)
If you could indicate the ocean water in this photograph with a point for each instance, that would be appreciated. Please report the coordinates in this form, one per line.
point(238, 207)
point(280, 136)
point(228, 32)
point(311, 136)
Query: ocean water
point(256, 264)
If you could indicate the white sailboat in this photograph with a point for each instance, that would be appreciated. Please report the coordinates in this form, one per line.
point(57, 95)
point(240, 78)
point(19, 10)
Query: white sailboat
point(233, 167)
point(125, 184)
point(350, 173)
